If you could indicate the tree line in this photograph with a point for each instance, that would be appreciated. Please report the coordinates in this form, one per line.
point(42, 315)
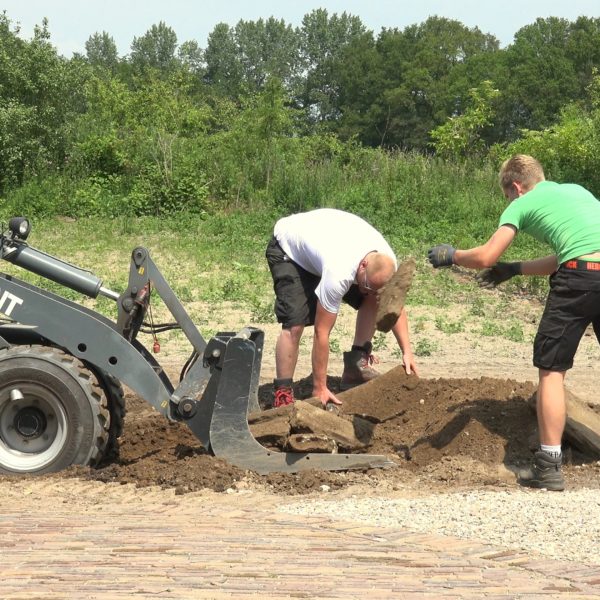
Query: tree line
point(173, 126)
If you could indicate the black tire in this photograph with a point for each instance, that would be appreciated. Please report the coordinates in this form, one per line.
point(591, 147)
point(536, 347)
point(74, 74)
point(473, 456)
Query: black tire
point(53, 411)
point(116, 405)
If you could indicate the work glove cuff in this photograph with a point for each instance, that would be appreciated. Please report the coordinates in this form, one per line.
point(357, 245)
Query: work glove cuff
point(516, 268)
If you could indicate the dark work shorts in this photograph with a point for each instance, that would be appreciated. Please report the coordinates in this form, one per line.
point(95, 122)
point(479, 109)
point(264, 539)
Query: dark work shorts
point(295, 298)
point(573, 303)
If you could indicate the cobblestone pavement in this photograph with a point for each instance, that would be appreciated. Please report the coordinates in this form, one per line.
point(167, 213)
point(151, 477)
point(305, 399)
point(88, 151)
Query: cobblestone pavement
point(72, 539)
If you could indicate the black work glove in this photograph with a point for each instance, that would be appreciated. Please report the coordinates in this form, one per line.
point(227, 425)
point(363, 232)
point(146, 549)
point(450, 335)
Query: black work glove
point(500, 272)
point(441, 255)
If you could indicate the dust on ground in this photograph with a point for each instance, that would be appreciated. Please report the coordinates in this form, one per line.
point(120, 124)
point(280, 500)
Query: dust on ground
point(441, 433)
point(464, 423)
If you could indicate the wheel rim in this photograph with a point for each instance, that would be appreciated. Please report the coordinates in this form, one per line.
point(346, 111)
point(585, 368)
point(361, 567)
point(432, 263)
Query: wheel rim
point(33, 426)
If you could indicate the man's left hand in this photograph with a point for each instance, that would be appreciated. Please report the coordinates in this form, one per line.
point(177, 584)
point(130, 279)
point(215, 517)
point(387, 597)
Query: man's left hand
point(408, 362)
point(499, 273)
point(441, 255)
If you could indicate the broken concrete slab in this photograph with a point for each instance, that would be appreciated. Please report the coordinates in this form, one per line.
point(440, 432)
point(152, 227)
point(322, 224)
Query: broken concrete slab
point(582, 429)
point(307, 418)
point(311, 442)
point(392, 296)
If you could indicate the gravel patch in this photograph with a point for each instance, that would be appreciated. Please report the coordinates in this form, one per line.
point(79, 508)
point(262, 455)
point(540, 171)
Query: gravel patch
point(563, 526)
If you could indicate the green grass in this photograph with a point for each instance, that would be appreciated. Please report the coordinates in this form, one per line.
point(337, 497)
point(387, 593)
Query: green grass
point(217, 260)
point(512, 331)
point(449, 327)
point(425, 347)
point(379, 342)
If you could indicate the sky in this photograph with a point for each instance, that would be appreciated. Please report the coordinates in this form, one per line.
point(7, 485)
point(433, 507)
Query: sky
point(72, 22)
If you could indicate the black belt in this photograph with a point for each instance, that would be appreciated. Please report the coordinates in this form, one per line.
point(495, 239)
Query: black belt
point(581, 265)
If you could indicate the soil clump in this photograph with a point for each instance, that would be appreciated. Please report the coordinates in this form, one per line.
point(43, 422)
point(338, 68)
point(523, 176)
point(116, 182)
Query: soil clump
point(392, 296)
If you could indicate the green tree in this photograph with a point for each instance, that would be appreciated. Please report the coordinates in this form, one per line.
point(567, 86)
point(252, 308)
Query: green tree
point(142, 145)
point(39, 94)
point(257, 141)
point(101, 51)
point(267, 49)
point(191, 57)
point(155, 49)
point(358, 75)
point(569, 149)
point(542, 76)
point(223, 69)
point(241, 60)
point(323, 39)
point(461, 136)
point(417, 95)
point(583, 50)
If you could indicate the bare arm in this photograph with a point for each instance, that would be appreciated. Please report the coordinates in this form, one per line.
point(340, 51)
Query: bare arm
point(540, 266)
point(489, 253)
point(324, 322)
point(400, 331)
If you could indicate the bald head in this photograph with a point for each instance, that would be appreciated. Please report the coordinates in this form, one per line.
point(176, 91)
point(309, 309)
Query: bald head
point(380, 268)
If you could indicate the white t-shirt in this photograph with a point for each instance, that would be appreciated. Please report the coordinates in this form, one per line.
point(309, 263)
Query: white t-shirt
point(330, 243)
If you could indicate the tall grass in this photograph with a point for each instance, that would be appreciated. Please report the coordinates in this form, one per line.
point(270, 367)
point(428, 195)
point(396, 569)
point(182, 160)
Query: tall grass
point(414, 200)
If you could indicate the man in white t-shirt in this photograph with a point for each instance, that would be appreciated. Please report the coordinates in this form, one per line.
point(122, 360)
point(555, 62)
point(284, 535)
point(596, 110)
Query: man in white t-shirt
point(319, 259)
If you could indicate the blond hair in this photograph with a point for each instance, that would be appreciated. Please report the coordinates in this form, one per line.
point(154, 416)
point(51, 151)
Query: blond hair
point(523, 169)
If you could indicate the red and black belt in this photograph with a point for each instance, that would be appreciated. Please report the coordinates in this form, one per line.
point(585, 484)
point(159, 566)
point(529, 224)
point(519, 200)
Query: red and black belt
point(581, 265)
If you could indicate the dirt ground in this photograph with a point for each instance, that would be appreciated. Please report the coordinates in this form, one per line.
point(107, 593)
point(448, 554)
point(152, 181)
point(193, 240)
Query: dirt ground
point(464, 422)
point(441, 433)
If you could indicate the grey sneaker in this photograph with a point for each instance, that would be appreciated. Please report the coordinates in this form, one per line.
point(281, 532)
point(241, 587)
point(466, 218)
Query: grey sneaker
point(544, 472)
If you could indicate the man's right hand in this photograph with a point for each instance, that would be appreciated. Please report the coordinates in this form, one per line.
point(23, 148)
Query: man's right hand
point(441, 255)
point(499, 273)
point(325, 395)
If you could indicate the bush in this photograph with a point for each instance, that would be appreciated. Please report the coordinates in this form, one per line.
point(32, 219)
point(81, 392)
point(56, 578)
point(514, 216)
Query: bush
point(99, 155)
point(40, 197)
point(152, 194)
point(568, 150)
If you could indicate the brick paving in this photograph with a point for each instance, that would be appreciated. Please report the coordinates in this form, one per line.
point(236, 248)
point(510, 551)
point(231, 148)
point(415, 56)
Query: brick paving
point(93, 541)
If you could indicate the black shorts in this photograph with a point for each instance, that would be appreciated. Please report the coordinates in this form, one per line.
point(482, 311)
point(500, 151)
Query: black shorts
point(573, 303)
point(295, 298)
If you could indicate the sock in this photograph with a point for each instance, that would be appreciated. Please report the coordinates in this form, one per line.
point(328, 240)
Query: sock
point(284, 382)
point(553, 451)
point(366, 348)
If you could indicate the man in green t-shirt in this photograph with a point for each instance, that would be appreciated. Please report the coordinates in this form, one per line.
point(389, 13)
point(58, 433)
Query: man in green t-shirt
point(567, 218)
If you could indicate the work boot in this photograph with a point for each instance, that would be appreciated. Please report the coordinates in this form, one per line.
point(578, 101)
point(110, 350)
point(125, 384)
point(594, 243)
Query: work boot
point(544, 472)
point(357, 366)
point(284, 393)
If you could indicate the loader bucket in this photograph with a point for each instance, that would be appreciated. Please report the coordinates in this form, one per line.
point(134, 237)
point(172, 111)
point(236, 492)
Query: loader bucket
point(235, 379)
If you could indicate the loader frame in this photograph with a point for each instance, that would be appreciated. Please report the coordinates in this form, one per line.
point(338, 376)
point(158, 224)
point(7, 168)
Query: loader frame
point(217, 390)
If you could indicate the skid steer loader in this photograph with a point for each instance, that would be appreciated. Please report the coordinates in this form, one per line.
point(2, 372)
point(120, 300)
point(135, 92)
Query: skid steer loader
point(62, 366)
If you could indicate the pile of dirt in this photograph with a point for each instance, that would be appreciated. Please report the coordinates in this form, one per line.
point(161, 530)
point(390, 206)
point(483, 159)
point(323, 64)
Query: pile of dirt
point(448, 432)
point(422, 421)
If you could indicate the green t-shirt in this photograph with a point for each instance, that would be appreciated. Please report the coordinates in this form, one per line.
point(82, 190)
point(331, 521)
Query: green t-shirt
point(563, 215)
